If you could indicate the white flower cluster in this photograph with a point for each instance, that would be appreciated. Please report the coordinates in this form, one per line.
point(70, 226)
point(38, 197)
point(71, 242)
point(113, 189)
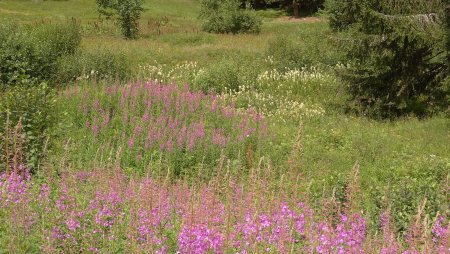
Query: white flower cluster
point(296, 75)
point(278, 107)
point(304, 82)
point(342, 66)
point(186, 71)
point(275, 94)
point(93, 74)
point(269, 60)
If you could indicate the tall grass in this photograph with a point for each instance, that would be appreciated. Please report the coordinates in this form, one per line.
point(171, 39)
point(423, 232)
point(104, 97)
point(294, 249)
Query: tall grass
point(144, 122)
point(103, 210)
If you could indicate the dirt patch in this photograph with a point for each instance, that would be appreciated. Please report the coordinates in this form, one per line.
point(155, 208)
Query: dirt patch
point(299, 20)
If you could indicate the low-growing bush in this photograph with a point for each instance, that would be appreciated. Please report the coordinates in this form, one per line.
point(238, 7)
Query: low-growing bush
point(227, 17)
point(30, 54)
point(59, 39)
point(27, 112)
point(220, 77)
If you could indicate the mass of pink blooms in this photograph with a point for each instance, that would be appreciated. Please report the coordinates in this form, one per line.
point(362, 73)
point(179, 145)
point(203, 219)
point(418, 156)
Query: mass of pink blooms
point(166, 117)
point(97, 212)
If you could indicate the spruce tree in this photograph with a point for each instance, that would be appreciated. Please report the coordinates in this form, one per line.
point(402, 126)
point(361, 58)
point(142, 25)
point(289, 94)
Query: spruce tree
point(396, 58)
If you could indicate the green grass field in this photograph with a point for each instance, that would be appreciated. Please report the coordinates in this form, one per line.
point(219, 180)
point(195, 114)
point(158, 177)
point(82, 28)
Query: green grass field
point(179, 38)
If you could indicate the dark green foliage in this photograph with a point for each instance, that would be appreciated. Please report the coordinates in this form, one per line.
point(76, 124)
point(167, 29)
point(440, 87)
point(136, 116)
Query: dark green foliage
point(227, 17)
point(34, 107)
point(128, 13)
point(260, 4)
point(446, 15)
point(446, 74)
point(305, 6)
point(396, 61)
point(312, 4)
point(293, 6)
point(343, 13)
point(30, 54)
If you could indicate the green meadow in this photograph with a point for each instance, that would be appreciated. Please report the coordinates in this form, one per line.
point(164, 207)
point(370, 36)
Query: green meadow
point(315, 148)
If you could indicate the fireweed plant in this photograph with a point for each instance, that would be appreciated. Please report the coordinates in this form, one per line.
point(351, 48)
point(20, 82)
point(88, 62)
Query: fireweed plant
point(145, 122)
point(109, 212)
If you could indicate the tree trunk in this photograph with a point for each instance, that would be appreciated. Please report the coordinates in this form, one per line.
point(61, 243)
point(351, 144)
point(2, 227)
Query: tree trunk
point(296, 7)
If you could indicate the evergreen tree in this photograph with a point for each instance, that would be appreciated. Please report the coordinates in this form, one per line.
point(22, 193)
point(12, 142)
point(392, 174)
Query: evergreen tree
point(343, 13)
point(447, 29)
point(397, 63)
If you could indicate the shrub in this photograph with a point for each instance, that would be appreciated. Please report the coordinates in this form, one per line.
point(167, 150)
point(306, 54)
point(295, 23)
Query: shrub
point(33, 108)
point(227, 17)
point(219, 78)
point(446, 82)
point(59, 39)
point(446, 15)
point(31, 54)
point(19, 57)
point(128, 12)
point(344, 13)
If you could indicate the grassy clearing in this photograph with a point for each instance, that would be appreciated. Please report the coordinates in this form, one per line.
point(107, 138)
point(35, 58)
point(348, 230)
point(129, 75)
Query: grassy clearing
point(177, 38)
